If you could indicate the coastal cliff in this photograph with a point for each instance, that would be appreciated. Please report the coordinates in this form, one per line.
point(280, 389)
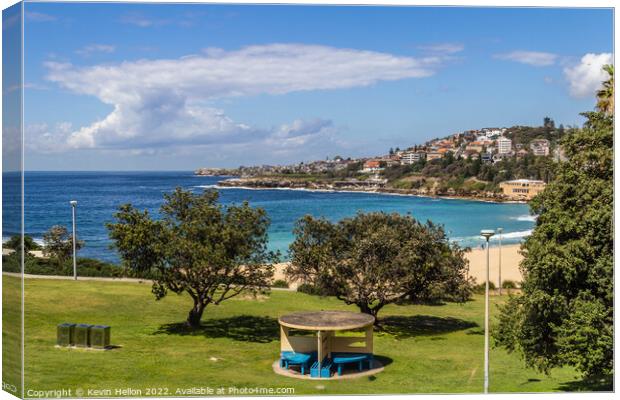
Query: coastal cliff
point(352, 185)
point(217, 172)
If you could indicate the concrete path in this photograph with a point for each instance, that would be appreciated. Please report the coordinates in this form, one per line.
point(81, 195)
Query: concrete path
point(96, 278)
point(80, 278)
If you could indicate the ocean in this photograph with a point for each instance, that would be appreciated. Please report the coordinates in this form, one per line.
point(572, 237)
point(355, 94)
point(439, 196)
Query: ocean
point(99, 194)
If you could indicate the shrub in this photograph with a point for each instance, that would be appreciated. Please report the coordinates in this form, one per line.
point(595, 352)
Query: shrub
point(309, 289)
point(480, 288)
point(280, 283)
point(47, 266)
point(92, 267)
point(15, 243)
point(508, 284)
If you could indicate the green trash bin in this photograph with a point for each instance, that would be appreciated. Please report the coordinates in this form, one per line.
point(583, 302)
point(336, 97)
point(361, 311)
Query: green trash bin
point(99, 336)
point(82, 335)
point(65, 334)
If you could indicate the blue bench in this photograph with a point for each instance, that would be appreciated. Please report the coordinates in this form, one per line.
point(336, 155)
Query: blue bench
point(324, 372)
point(341, 359)
point(288, 358)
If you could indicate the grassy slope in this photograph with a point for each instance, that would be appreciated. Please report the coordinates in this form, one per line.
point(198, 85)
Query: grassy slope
point(433, 348)
point(11, 334)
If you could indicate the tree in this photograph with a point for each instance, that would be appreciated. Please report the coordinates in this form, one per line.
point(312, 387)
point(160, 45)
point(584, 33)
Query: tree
point(375, 259)
point(198, 247)
point(58, 243)
point(605, 96)
point(548, 124)
point(15, 243)
point(448, 159)
point(565, 315)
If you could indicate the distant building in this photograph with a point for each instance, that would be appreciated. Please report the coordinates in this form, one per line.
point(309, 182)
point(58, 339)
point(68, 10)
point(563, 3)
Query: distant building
point(412, 157)
point(475, 146)
point(522, 189)
point(540, 147)
point(372, 166)
point(491, 132)
point(504, 145)
point(433, 155)
point(483, 139)
point(391, 162)
point(486, 157)
point(474, 155)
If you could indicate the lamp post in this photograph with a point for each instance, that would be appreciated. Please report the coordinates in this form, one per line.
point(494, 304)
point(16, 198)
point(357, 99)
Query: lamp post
point(486, 233)
point(499, 231)
point(73, 206)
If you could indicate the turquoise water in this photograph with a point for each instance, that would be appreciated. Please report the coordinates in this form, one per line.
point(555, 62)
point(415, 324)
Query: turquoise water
point(100, 193)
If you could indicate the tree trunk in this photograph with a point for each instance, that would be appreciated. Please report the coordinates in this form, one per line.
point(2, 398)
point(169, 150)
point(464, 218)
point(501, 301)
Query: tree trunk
point(194, 316)
point(366, 309)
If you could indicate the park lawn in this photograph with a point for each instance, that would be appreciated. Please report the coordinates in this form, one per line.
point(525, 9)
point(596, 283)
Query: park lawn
point(426, 349)
point(11, 334)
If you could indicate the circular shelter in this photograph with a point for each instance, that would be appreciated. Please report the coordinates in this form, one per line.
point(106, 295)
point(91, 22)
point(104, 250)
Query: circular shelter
point(327, 355)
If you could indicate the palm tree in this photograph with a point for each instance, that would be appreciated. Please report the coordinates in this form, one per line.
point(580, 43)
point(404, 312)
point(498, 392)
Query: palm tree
point(605, 96)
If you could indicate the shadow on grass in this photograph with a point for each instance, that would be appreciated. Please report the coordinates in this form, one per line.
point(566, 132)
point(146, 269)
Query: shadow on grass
point(244, 328)
point(602, 384)
point(421, 325)
point(385, 361)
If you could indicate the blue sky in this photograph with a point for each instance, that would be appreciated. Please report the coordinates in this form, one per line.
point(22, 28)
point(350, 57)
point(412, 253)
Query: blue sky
point(148, 86)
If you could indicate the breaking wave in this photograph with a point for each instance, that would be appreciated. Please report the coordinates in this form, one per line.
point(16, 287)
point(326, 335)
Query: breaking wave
point(525, 217)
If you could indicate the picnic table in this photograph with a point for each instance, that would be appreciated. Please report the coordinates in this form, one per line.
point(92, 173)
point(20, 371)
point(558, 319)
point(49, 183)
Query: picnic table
point(326, 349)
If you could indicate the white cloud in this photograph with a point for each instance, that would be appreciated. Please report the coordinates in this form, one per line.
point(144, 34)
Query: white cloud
point(443, 48)
point(41, 137)
point(95, 48)
point(586, 77)
point(142, 21)
point(535, 58)
point(169, 102)
point(300, 132)
point(39, 17)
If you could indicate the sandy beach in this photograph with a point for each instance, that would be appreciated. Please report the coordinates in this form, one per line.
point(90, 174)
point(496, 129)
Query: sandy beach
point(510, 263)
point(477, 265)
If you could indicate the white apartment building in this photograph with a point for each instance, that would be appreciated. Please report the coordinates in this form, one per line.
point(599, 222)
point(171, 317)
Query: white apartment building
point(504, 145)
point(540, 147)
point(412, 157)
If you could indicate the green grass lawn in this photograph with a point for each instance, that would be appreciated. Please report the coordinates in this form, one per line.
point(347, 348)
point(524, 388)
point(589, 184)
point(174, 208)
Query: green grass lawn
point(427, 349)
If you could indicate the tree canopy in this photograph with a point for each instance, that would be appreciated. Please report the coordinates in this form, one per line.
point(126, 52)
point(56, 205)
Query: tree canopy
point(199, 247)
point(605, 95)
point(58, 243)
point(375, 259)
point(15, 243)
point(565, 315)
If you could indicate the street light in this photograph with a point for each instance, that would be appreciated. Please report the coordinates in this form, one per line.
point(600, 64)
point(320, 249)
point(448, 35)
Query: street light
point(73, 206)
point(486, 233)
point(499, 231)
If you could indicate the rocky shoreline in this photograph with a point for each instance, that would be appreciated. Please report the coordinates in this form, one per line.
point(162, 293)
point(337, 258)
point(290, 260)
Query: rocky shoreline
point(359, 186)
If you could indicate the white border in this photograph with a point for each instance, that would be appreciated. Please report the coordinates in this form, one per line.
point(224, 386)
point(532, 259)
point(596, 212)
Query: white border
point(475, 3)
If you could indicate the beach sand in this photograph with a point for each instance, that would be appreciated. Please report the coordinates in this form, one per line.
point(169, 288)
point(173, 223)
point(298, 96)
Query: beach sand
point(510, 263)
point(477, 265)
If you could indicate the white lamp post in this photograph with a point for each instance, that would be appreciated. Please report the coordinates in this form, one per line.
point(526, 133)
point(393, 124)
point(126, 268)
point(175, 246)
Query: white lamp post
point(73, 206)
point(499, 231)
point(486, 233)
